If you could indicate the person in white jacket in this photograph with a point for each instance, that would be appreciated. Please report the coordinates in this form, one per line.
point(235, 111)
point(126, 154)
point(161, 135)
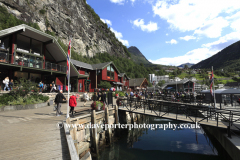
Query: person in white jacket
point(6, 82)
point(85, 98)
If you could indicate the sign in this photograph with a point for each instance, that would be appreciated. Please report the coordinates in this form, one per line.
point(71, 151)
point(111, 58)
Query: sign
point(80, 86)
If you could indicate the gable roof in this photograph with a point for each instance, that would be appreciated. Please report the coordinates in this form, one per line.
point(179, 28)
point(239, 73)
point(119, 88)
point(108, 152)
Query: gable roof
point(81, 64)
point(51, 42)
point(92, 66)
point(136, 82)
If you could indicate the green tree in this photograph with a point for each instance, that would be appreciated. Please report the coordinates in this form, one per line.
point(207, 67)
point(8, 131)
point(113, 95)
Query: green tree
point(104, 84)
point(160, 83)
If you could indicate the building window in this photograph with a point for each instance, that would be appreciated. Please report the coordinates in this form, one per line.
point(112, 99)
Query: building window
point(110, 72)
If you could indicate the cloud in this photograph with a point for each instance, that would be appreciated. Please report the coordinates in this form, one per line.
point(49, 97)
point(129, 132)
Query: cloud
point(212, 28)
point(235, 21)
point(106, 21)
point(193, 56)
point(173, 41)
point(150, 27)
point(121, 2)
point(132, 1)
point(196, 15)
point(223, 42)
point(199, 54)
point(119, 37)
point(187, 38)
point(166, 34)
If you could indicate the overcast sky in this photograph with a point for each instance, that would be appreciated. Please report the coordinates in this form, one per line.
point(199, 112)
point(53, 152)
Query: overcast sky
point(172, 32)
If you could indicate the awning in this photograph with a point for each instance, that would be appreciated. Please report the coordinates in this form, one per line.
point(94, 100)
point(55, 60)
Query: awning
point(118, 83)
point(169, 88)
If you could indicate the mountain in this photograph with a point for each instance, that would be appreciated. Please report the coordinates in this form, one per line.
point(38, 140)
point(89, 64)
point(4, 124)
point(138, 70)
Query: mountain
point(188, 64)
point(228, 59)
point(137, 56)
point(62, 18)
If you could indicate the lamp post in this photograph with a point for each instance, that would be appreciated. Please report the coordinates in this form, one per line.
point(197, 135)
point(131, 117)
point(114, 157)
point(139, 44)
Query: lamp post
point(96, 78)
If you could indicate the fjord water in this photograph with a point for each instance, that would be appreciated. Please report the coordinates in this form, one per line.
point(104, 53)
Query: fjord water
point(179, 144)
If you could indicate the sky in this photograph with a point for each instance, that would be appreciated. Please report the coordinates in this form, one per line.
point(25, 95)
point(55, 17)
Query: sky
point(172, 32)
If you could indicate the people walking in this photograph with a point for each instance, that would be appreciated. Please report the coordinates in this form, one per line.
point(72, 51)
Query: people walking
point(85, 98)
point(58, 100)
point(11, 84)
point(72, 103)
point(53, 89)
point(6, 82)
point(40, 86)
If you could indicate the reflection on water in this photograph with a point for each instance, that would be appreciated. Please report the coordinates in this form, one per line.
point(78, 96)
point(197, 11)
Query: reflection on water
point(163, 144)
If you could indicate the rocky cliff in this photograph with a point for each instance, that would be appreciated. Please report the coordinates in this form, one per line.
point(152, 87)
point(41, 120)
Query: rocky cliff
point(62, 18)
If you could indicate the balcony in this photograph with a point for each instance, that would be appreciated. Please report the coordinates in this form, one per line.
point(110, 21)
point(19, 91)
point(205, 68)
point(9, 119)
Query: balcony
point(55, 67)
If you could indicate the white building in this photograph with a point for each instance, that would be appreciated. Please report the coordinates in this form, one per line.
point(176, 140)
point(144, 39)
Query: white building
point(155, 79)
point(177, 79)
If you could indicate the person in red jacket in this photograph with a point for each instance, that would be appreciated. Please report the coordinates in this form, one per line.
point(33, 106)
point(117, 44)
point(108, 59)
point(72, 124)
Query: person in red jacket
point(72, 103)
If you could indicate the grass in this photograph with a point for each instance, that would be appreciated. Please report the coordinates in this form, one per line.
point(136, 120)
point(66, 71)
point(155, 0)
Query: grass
point(226, 81)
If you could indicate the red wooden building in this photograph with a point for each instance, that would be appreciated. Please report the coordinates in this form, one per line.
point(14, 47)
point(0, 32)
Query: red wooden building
point(99, 72)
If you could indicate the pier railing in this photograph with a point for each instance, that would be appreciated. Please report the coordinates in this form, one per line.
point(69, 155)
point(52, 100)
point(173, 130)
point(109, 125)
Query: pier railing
point(195, 113)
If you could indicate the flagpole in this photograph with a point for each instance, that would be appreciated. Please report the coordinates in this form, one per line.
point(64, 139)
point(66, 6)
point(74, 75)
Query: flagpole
point(214, 90)
point(69, 62)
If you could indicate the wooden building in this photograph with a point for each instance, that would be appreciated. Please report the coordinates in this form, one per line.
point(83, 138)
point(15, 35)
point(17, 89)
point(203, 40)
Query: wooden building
point(138, 83)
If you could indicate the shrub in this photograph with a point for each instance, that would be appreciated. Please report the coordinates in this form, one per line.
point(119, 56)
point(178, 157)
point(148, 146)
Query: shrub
point(24, 92)
point(42, 11)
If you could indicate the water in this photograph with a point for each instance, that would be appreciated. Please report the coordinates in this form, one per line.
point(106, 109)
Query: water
point(146, 144)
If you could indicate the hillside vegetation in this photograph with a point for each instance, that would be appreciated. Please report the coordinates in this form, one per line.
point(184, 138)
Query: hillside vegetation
point(228, 59)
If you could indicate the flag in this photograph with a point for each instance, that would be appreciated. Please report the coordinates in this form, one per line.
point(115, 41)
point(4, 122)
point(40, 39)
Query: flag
point(68, 59)
point(211, 83)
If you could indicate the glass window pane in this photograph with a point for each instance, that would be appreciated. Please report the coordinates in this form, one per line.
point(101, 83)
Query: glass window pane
point(19, 59)
point(26, 60)
point(23, 43)
point(4, 43)
point(39, 62)
point(112, 69)
point(32, 62)
point(36, 47)
point(108, 68)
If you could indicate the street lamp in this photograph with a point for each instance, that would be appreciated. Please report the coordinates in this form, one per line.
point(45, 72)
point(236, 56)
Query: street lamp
point(96, 78)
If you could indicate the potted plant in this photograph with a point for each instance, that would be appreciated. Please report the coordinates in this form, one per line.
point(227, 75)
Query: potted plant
point(139, 97)
point(97, 105)
point(118, 102)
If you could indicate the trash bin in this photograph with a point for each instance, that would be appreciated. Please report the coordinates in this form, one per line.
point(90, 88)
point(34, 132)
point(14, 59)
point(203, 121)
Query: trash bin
point(50, 102)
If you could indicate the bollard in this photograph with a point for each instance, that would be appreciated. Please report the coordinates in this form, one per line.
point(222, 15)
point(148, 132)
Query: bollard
point(109, 130)
point(94, 133)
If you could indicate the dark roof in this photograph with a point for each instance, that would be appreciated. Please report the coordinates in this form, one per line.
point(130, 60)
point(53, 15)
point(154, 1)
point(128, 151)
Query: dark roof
point(100, 65)
point(178, 82)
point(81, 64)
point(232, 84)
point(122, 75)
point(223, 91)
point(136, 82)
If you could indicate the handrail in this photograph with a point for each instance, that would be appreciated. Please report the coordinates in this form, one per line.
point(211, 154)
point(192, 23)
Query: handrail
point(161, 108)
